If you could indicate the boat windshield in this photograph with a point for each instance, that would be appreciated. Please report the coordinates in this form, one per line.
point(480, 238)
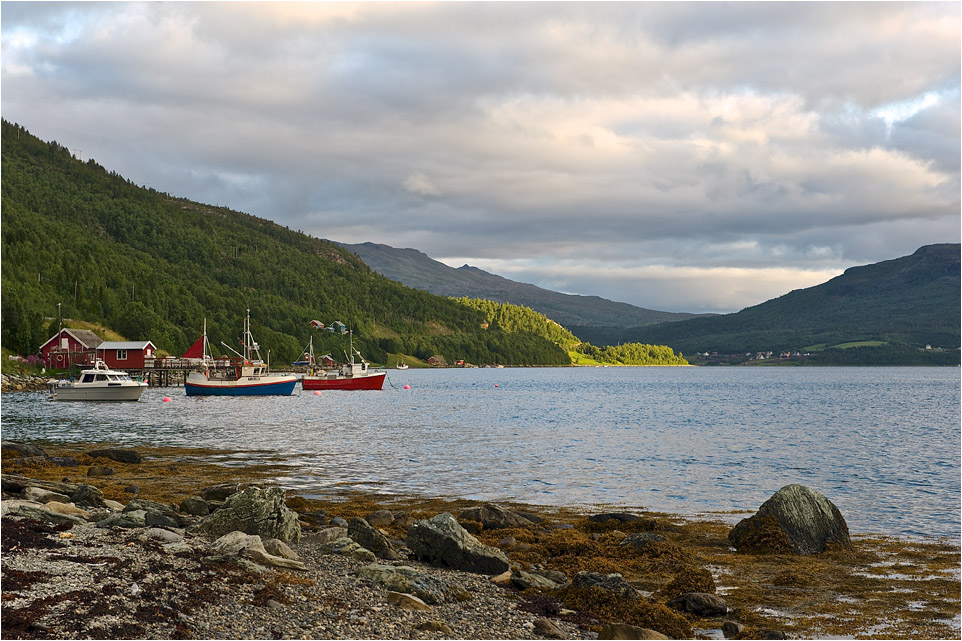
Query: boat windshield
point(87, 378)
point(101, 377)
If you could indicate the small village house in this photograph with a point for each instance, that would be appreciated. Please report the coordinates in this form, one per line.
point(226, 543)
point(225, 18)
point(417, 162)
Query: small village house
point(70, 347)
point(126, 355)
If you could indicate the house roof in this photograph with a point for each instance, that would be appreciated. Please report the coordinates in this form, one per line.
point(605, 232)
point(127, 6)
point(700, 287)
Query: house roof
point(87, 338)
point(124, 345)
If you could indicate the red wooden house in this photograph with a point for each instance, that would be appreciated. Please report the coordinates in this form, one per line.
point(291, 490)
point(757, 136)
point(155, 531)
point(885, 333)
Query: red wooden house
point(126, 354)
point(70, 347)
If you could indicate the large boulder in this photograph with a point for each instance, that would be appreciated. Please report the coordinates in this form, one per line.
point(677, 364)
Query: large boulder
point(794, 520)
point(494, 517)
point(254, 511)
point(442, 540)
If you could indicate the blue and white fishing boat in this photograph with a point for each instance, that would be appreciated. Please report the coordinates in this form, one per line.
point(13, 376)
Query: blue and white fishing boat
point(246, 376)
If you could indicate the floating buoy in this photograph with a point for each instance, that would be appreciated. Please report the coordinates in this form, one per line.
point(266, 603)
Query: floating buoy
point(407, 387)
point(317, 392)
point(495, 384)
point(167, 399)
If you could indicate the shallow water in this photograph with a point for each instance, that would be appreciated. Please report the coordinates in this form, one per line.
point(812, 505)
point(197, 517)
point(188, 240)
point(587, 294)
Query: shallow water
point(882, 443)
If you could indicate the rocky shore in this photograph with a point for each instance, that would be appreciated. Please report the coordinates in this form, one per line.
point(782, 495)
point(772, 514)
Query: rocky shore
point(105, 542)
point(22, 383)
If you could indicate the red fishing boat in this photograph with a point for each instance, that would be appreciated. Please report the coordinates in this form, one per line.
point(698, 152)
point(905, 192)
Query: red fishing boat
point(352, 375)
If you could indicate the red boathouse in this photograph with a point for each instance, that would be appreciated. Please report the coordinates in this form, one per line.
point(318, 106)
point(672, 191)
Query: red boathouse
point(70, 347)
point(126, 354)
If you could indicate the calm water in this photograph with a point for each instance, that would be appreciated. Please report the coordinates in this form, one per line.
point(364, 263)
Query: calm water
point(882, 443)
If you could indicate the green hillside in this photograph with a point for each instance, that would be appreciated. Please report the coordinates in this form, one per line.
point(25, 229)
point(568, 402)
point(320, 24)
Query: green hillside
point(153, 266)
point(873, 314)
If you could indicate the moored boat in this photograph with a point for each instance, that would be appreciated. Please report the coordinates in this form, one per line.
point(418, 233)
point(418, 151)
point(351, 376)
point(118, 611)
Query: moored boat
point(352, 375)
point(97, 384)
point(245, 376)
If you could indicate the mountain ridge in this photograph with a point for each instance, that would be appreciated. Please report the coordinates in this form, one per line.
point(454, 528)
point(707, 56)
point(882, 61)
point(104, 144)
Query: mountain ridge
point(911, 301)
point(589, 317)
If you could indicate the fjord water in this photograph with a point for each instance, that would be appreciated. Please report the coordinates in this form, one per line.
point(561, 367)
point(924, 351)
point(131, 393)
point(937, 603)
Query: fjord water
point(882, 443)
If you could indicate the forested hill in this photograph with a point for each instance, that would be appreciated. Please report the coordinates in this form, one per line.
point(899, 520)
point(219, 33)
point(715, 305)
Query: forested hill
point(887, 312)
point(153, 266)
point(591, 318)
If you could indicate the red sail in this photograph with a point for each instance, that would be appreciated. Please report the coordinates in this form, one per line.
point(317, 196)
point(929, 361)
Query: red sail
point(196, 350)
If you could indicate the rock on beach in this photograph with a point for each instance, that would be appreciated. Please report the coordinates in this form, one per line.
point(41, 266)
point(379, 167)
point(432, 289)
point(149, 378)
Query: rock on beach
point(795, 519)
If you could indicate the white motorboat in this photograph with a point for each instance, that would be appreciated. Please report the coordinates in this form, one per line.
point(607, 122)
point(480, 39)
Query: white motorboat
point(98, 384)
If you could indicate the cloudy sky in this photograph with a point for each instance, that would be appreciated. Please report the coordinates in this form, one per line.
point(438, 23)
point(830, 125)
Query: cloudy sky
point(681, 157)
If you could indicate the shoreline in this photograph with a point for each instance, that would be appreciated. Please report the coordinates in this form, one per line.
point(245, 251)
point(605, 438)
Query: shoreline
point(875, 589)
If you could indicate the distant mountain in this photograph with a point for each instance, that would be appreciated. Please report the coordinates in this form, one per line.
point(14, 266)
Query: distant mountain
point(591, 318)
point(905, 303)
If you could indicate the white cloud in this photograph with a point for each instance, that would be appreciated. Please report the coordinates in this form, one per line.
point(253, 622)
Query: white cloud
point(419, 184)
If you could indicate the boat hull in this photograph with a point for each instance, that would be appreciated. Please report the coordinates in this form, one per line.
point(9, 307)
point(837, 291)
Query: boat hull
point(282, 386)
point(372, 381)
point(112, 393)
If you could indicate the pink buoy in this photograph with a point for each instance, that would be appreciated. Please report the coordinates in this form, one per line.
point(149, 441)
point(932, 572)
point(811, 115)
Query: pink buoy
point(167, 399)
point(317, 392)
point(407, 387)
point(495, 384)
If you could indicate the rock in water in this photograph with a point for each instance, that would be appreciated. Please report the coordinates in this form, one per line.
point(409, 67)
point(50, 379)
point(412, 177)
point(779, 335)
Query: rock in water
point(442, 540)
point(794, 520)
point(255, 511)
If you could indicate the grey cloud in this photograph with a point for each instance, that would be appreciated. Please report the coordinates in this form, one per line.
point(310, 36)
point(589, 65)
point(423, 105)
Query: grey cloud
point(676, 134)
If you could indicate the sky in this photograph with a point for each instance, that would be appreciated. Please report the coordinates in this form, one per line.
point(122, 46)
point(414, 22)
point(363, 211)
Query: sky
point(699, 157)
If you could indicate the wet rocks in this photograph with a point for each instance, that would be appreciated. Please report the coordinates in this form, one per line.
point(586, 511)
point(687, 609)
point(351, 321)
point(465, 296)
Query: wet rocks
point(100, 470)
point(119, 455)
point(640, 540)
point(254, 511)
point(614, 583)
point(494, 517)
point(23, 449)
point(620, 517)
point(700, 604)
point(442, 540)
point(794, 520)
